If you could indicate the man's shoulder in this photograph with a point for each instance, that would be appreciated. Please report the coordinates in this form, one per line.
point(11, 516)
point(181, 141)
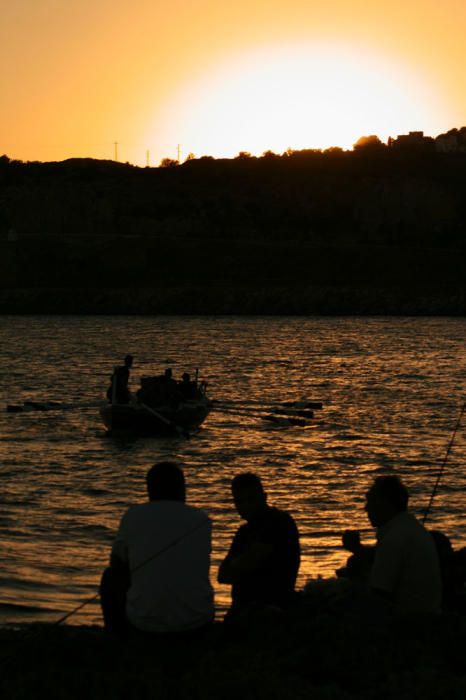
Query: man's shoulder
point(405, 522)
point(280, 516)
point(195, 512)
point(164, 509)
point(404, 529)
point(133, 510)
point(279, 521)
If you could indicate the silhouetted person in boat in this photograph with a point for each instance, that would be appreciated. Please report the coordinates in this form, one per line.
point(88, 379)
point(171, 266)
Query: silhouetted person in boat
point(161, 390)
point(118, 391)
point(167, 378)
point(171, 394)
point(188, 388)
point(359, 564)
point(264, 557)
point(158, 579)
point(406, 568)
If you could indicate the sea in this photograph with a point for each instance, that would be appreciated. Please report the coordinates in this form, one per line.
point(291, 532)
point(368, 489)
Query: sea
point(392, 390)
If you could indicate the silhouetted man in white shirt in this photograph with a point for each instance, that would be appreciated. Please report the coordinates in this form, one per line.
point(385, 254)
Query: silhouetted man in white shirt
point(406, 568)
point(158, 579)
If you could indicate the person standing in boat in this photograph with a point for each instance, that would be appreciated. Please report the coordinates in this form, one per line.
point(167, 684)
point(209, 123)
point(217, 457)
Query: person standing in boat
point(118, 391)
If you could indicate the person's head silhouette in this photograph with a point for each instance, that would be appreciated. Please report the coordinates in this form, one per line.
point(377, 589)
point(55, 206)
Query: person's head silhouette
point(165, 482)
point(249, 495)
point(387, 497)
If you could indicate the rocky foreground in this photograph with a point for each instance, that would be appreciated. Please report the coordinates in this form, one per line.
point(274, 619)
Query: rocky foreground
point(323, 649)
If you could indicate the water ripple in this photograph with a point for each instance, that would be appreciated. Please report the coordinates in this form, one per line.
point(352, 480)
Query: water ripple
point(391, 389)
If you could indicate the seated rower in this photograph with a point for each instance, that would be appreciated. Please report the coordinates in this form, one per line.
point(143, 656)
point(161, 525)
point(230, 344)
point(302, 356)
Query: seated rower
point(170, 393)
point(161, 390)
point(188, 388)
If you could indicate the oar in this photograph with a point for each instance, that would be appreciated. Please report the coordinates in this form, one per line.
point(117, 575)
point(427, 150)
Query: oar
point(263, 416)
point(28, 406)
point(289, 412)
point(287, 405)
point(159, 416)
point(293, 412)
point(316, 405)
point(279, 420)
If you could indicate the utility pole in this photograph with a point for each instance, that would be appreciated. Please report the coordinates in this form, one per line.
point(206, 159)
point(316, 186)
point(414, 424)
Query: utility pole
point(115, 143)
point(147, 159)
point(178, 149)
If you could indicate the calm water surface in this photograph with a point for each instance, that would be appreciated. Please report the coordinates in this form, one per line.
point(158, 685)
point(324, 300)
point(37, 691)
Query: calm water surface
point(392, 391)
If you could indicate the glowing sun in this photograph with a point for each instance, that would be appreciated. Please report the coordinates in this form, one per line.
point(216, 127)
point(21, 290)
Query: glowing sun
point(311, 96)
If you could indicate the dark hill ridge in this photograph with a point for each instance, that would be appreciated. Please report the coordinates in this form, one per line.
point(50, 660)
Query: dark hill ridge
point(368, 231)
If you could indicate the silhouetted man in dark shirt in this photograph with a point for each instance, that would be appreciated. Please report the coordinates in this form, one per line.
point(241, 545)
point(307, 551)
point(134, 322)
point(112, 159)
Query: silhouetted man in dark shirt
point(264, 557)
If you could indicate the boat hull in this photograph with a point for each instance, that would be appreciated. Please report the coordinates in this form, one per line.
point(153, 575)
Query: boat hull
point(160, 421)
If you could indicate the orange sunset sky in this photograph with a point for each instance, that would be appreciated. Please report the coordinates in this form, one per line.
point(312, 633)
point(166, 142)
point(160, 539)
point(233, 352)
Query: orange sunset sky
point(218, 77)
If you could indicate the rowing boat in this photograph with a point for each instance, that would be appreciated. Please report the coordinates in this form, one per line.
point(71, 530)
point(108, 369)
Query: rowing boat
point(142, 419)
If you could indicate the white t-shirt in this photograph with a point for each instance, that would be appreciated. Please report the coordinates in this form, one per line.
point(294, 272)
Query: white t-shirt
point(171, 591)
point(406, 565)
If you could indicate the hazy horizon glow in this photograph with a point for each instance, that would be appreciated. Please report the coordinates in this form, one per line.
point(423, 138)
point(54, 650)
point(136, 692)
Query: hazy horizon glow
point(218, 78)
point(300, 96)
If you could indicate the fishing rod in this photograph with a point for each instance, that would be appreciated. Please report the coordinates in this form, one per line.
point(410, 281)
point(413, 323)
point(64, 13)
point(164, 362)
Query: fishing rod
point(34, 633)
point(440, 474)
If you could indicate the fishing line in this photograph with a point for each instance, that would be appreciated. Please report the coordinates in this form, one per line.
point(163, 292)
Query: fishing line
point(136, 568)
point(439, 476)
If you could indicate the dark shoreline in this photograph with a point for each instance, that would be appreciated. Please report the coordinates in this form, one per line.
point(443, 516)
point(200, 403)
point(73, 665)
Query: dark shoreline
point(316, 652)
point(214, 300)
point(369, 232)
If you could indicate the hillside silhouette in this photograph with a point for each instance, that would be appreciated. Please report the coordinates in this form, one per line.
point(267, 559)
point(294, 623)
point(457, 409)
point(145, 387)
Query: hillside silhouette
point(375, 230)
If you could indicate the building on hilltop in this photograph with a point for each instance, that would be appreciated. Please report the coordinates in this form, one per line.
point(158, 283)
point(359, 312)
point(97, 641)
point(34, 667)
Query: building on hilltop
point(453, 141)
point(414, 141)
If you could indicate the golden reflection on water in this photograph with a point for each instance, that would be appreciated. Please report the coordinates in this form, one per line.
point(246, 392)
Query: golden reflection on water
point(391, 389)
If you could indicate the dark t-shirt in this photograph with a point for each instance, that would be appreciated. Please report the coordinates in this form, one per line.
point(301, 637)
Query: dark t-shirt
point(275, 580)
point(121, 378)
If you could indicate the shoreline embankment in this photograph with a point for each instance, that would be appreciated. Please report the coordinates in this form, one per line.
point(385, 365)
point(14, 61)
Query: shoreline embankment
point(319, 651)
point(216, 300)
